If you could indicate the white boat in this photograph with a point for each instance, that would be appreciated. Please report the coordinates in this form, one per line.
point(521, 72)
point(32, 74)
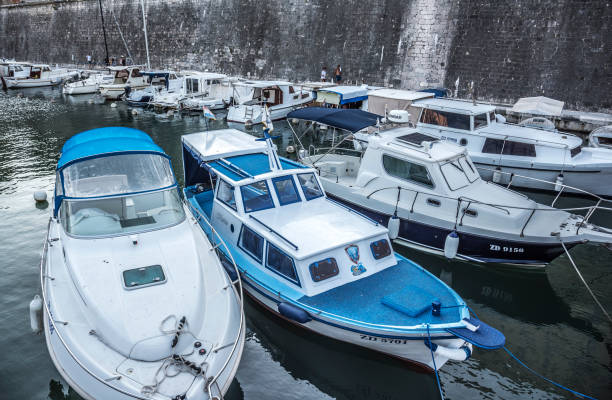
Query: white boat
point(40, 75)
point(125, 77)
point(318, 264)
point(195, 90)
point(279, 96)
point(13, 69)
point(158, 81)
point(430, 193)
point(89, 85)
point(515, 150)
point(343, 96)
point(601, 137)
point(136, 303)
point(383, 101)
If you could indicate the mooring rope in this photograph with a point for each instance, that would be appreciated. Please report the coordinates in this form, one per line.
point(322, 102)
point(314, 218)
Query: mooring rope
point(585, 283)
point(434, 363)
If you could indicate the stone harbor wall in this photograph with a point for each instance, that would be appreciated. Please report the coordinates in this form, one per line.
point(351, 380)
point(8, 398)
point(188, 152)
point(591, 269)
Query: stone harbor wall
point(509, 49)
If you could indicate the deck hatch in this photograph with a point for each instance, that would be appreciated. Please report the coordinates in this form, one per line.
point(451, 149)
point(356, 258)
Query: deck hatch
point(143, 276)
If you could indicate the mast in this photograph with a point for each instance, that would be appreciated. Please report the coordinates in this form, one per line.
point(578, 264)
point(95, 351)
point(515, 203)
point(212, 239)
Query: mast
point(144, 24)
point(104, 31)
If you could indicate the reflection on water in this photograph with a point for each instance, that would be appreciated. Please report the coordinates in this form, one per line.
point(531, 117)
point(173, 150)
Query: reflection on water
point(548, 318)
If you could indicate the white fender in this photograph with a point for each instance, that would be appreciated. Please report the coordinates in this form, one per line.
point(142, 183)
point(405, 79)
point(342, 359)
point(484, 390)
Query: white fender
point(497, 175)
point(460, 354)
point(393, 226)
point(559, 183)
point(36, 314)
point(40, 196)
point(451, 244)
point(290, 149)
point(302, 153)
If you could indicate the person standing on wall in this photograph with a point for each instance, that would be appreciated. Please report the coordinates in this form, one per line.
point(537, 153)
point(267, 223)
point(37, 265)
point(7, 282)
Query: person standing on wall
point(89, 60)
point(324, 74)
point(338, 73)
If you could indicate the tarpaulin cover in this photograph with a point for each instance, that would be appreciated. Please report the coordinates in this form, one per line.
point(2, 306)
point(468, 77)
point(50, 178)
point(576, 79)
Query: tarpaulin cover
point(348, 119)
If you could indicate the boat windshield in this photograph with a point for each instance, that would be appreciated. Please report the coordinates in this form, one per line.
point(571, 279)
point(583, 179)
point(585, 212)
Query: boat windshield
point(117, 174)
point(459, 173)
point(122, 215)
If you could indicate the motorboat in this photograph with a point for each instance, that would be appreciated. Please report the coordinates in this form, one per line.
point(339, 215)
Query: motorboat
point(89, 85)
point(383, 101)
point(158, 81)
point(13, 69)
point(432, 198)
point(196, 90)
point(137, 304)
point(521, 153)
point(318, 264)
point(279, 97)
point(343, 96)
point(601, 137)
point(40, 75)
point(125, 77)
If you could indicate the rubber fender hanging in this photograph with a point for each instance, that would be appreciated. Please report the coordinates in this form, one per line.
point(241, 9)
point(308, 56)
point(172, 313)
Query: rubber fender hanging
point(451, 245)
point(393, 226)
point(294, 313)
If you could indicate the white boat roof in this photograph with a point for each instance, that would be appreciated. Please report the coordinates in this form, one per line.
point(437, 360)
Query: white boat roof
point(15, 63)
point(539, 105)
point(263, 84)
point(205, 75)
point(530, 134)
point(399, 94)
point(317, 85)
point(454, 105)
point(223, 143)
point(431, 150)
point(347, 92)
point(122, 67)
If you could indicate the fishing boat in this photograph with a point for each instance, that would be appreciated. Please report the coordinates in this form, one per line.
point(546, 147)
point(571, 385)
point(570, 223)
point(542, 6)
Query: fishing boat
point(40, 75)
point(89, 85)
point(136, 303)
point(278, 96)
point(430, 195)
point(125, 78)
point(13, 69)
point(157, 81)
point(315, 262)
point(516, 150)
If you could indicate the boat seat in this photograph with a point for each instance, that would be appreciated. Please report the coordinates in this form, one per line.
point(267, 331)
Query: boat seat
point(411, 300)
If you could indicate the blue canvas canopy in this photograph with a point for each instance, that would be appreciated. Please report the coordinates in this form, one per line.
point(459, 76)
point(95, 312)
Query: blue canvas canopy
point(348, 119)
point(104, 141)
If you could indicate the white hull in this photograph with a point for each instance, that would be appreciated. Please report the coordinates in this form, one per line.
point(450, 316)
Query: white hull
point(114, 92)
point(252, 114)
point(86, 89)
point(30, 83)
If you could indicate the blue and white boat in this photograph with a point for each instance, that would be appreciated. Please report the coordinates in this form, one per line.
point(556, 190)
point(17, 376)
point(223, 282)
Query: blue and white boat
point(315, 262)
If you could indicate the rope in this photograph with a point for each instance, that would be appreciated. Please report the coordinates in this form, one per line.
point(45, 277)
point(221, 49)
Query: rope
point(585, 284)
point(434, 364)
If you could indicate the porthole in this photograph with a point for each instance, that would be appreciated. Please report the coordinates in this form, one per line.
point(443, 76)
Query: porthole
point(463, 142)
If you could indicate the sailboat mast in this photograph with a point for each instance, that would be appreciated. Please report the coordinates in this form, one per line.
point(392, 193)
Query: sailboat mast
point(144, 24)
point(104, 31)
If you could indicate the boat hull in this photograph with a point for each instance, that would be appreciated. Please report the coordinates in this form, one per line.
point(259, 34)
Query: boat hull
point(85, 89)
point(252, 114)
point(31, 83)
point(115, 92)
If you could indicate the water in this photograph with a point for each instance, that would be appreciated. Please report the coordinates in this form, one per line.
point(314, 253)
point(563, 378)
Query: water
point(548, 318)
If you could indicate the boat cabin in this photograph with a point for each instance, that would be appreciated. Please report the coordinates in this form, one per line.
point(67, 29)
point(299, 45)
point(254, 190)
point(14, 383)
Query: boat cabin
point(343, 97)
point(12, 69)
point(124, 75)
point(276, 217)
point(383, 101)
point(273, 93)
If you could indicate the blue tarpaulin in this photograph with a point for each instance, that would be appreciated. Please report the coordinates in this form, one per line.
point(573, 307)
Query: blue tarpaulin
point(348, 119)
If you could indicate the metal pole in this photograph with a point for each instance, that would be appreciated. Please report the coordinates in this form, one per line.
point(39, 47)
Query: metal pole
point(144, 24)
point(104, 31)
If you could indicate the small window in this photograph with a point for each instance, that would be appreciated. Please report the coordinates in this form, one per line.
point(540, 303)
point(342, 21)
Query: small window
point(252, 243)
point(443, 118)
point(406, 170)
point(433, 202)
point(380, 249)
point(576, 150)
point(291, 90)
point(285, 190)
point(144, 276)
point(480, 120)
point(282, 264)
point(492, 117)
point(471, 213)
point(324, 269)
point(256, 196)
point(496, 146)
point(310, 186)
point(225, 194)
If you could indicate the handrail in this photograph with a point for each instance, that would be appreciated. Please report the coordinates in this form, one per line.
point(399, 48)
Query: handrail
point(276, 233)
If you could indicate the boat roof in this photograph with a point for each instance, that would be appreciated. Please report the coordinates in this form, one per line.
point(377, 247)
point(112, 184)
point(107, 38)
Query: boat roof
point(347, 92)
point(399, 94)
point(349, 119)
point(122, 67)
point(454, 105)
point(205, 75)
point(317, 85)
point(106, 141)
point(539, 105)
point(419, 145)
point(263, 84)
point(509, 131)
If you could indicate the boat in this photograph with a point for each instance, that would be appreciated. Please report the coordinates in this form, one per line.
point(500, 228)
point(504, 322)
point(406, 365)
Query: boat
point(13, 69)
point(89, 85)
point(548, 157)
point(135, 301)
point(125, 78)
point(40, 75)
point(279, 97)
point(157, 82)
point(343, 96)
point(318, 264)
point(383, 101)
point(196, 90)
point(601, 137)
point(430, 194)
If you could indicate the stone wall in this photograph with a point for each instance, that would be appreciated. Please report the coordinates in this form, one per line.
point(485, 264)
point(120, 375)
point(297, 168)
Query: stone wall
point(509, 49)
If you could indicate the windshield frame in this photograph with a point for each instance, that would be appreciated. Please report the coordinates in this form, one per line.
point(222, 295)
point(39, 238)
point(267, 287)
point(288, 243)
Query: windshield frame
point(453, 162)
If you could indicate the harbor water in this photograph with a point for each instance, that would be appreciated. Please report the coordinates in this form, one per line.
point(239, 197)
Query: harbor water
point(550, 321)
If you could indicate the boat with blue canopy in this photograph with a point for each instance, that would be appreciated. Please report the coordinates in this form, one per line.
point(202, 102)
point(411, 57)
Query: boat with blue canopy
point(136, 303)
point(316, 263)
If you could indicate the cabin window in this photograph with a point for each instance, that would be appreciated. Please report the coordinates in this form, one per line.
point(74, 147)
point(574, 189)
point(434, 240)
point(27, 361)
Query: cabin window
point(480, 120)
point(454, 175)
point(324, 269)
point(408, 171)
point(509, 147)
point(310, 186)
point(380, 249)
point(256, 196)
point(443, 118)
point(576, 150)
point(225, 194)
point(291, 90)
point(192, 85)
point(136, 73)
point(252, 243)
point(285, 190)
point(143, 276)
point(492, 117)
point(281, 263)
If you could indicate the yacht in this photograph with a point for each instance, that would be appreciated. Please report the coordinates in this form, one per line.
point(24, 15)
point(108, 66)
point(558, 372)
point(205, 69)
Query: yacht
point(318, 264)
point(89, 85)
point(278, 96)
point(125, 78)
point(137, 304)
point(40, 75)
point(549, 158)
point(432, 198)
